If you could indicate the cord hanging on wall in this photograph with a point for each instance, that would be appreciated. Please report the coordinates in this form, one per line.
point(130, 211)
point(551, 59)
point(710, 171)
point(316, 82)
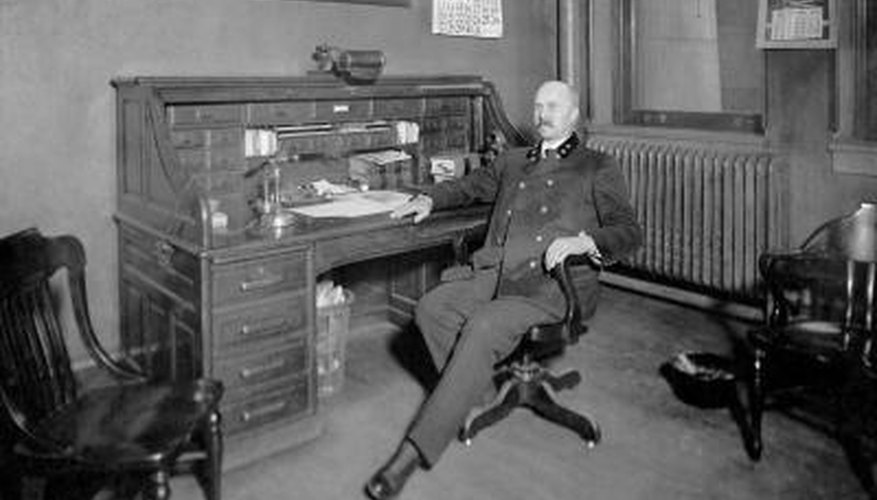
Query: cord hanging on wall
point(355, 66)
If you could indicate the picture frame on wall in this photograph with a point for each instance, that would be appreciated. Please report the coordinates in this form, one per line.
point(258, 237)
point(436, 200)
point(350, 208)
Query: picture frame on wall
point(797, 24)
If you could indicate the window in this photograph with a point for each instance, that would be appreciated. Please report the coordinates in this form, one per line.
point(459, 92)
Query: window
point(864, 72)
point(690, 63)
point(855, 146)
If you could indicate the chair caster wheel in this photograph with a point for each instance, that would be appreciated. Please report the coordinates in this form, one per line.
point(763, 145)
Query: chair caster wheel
point(590, 444)
point(467, 442)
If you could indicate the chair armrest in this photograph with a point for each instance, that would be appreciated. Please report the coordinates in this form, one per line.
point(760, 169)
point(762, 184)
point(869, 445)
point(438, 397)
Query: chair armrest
point(573, 315)
point(463, 242)
point(123, 369)
point(570, 327)
point(787, 273)
point(796, 266)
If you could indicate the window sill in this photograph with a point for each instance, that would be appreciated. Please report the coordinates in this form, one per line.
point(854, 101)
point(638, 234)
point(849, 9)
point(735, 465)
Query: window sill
point(850, 156)
point(732, 139)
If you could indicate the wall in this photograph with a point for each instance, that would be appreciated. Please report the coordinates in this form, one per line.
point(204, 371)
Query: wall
point(57, 149)
point(799, 113)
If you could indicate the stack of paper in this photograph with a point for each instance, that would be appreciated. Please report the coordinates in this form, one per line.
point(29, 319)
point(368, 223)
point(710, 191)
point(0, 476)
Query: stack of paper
point(355, 205)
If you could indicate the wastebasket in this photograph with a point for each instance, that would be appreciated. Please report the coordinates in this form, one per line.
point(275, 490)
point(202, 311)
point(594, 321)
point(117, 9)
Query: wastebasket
point(333, 325)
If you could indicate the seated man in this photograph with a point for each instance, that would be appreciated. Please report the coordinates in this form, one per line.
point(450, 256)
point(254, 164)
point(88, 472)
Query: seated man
point(554, 200)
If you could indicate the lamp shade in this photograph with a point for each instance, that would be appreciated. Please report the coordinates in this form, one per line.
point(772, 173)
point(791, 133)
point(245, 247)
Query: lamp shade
point(855, 236)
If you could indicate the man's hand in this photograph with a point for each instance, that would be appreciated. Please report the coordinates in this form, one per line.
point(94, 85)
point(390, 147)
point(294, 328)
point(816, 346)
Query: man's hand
point(420, 206)
point(563, 247)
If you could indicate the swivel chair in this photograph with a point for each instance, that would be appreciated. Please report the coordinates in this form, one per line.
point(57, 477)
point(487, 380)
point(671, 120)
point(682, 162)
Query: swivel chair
point(526, 382)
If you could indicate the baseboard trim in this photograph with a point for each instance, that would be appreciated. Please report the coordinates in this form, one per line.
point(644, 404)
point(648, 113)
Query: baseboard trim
point(735, 310)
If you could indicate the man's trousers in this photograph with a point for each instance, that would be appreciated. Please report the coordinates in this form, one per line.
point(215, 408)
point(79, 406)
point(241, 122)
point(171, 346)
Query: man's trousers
point(467, 332)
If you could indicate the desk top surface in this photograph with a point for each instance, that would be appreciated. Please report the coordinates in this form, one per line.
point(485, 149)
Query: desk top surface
point(339, 240)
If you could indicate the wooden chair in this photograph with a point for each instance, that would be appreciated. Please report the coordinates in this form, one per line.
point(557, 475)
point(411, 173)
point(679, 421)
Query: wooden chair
point(817, 342)
point(131, 433)
point(525, 381)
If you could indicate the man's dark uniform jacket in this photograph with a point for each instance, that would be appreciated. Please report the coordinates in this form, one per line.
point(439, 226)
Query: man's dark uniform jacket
point(537, 200)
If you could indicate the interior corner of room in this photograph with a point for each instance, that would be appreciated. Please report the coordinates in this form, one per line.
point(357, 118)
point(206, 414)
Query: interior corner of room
point(736, 135)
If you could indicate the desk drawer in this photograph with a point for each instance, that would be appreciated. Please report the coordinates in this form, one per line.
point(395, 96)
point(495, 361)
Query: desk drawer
point(204, 137)
point(276, 320)
point(185, 114)
point(218, 158)
point(284, 113)
point(239, 281)
point(194, 138)
point(447, 105)
point(343, 110)
point(289, 399)
point(241, 374)
point(399, 108)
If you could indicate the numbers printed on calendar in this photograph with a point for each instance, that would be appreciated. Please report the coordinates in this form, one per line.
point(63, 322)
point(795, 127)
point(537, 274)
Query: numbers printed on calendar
point(476, 18)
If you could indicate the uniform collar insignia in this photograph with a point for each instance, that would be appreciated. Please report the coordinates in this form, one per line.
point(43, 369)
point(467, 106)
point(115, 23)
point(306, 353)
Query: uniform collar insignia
point(568, 146)
point(564, 150)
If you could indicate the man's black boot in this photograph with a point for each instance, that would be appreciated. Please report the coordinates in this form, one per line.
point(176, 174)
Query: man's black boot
point(389, 479)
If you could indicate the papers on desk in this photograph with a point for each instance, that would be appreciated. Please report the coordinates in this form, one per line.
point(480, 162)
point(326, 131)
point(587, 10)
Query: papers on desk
point(355, 205)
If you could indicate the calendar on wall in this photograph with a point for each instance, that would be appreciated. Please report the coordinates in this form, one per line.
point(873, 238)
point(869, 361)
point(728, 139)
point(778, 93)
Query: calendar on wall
point(797, 24)
point(475, 18)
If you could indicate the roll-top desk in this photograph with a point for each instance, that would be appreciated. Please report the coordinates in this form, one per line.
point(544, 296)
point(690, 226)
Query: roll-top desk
point(237, 303)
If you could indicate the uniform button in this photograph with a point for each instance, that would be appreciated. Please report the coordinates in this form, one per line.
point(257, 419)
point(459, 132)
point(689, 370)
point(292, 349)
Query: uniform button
point(543, 209)
point(533, 264)
point(539, 238)
point(549, 182)
point(522, 185)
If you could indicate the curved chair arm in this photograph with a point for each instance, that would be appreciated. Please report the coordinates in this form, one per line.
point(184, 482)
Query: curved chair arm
point(793, 271)
point(774, 264)
point(75, 254)
point(572, 318)
point(773, 267)
point(569, 328)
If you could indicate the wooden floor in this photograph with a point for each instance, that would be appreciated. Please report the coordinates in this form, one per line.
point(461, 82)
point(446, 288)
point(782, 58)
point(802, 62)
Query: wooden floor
point(654, 447)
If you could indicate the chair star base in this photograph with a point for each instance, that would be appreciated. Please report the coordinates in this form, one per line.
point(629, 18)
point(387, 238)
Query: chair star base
point(530, 385)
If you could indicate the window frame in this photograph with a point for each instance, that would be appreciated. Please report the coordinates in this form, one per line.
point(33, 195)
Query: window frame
point(852, 151)
point(625, 114)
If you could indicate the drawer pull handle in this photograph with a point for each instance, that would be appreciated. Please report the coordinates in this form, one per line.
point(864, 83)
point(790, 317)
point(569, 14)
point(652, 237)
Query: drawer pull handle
point(248, 286)
point(264, 328)
point(252, 372)
point(263, 411)
point(341, 108)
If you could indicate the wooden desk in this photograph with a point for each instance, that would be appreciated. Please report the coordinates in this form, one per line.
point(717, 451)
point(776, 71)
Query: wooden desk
point(238, 305)
point(257, 321)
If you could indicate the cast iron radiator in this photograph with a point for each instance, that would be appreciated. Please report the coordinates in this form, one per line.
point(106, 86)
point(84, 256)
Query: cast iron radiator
point(707, 211)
